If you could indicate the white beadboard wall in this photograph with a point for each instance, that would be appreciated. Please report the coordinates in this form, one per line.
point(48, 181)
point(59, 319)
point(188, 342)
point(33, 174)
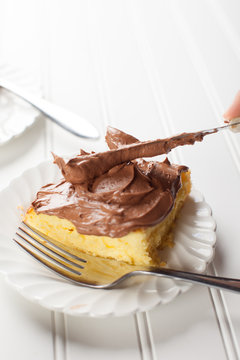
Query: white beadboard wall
point(152, 68)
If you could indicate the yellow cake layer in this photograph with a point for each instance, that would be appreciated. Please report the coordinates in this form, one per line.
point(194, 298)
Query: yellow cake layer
point(139, 247)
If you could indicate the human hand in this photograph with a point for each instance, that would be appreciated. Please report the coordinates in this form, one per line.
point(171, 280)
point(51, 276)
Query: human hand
point(232, 115)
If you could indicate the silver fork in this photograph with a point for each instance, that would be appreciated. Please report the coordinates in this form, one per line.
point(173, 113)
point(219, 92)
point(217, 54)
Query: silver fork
point(100, 273)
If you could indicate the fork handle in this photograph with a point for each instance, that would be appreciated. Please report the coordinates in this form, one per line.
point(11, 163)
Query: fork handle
point(207, 280)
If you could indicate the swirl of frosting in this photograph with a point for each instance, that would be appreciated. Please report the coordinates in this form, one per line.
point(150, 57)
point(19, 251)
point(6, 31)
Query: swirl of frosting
point(85, 167)
point(116, 197)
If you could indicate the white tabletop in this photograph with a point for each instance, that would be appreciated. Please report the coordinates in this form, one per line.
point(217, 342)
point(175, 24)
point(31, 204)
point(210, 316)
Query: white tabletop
point(150, 68)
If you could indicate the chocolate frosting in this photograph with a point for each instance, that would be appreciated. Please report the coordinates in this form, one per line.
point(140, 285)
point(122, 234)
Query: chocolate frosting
point(85, 167)
point(111, 193)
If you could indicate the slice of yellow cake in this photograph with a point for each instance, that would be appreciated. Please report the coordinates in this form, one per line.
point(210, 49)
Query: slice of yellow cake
point(139, 247)
point(126, 212)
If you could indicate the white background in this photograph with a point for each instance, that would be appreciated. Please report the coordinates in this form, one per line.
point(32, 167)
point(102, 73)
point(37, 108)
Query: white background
point(151, 68)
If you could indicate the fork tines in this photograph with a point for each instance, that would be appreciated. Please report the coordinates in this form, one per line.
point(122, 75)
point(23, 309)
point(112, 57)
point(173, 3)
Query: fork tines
point(48, 253)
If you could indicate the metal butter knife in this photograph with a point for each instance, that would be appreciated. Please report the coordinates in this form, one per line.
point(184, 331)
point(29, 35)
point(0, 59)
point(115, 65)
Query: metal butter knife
point(234, 125)
point(75, 124)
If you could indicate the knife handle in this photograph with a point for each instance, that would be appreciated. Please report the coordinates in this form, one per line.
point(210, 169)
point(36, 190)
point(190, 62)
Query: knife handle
point(64, 118)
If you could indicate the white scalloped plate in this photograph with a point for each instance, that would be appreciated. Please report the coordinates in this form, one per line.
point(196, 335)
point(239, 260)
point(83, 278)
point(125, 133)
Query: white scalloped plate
point(194, 249)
